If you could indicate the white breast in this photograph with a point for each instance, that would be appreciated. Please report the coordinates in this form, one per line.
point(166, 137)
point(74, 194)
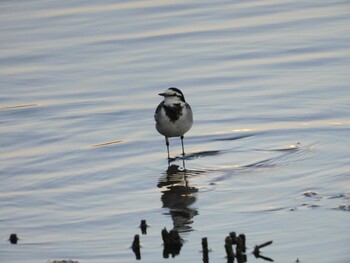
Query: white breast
point(177, 128)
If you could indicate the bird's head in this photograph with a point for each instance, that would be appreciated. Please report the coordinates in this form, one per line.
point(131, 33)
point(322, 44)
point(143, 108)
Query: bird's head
point(172, 96)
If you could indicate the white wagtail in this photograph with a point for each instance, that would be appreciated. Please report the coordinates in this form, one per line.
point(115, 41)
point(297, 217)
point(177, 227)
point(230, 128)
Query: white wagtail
point(173, 116)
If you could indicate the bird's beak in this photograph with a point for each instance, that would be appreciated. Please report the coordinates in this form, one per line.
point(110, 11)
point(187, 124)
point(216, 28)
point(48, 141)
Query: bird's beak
point(162, 94)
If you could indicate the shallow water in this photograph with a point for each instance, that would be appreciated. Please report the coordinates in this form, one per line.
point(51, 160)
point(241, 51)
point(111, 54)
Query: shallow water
point(81, 162)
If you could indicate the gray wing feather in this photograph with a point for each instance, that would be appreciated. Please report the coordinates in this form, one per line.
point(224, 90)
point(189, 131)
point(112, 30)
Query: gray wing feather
point(159, 108)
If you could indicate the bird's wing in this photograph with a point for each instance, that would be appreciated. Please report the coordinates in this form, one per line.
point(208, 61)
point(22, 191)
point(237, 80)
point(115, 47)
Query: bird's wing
point(159, 108)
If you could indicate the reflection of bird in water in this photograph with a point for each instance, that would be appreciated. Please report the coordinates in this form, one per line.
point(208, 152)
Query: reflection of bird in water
point(178, 196)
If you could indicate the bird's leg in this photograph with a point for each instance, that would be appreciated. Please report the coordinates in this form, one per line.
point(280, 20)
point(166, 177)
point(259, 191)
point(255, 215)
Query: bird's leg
point(167, 146)
point(182, 142)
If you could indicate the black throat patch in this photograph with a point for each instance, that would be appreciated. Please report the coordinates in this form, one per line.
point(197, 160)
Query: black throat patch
point(173, 112)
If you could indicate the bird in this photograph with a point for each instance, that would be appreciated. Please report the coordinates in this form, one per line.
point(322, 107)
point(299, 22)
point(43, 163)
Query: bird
point(173, 116)
point(13, 238)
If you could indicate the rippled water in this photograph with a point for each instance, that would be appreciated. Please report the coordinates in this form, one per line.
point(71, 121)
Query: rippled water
point(82, 164)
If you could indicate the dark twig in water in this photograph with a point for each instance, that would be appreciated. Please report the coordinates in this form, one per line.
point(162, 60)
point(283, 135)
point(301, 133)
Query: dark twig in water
point(172, 243)
point(205, 250)
point(265, 258)
point(233, 238)
point(13, 238)
point(264, 244)
point(136, 247)
point(229, 250)
point(239, 246)
point(242, 243)
point(241, 258)
point(143, 227)
point(240, 249)
point(257, 248)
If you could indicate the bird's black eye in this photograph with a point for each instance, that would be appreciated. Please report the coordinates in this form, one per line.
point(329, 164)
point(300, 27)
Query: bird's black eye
point(174, 94)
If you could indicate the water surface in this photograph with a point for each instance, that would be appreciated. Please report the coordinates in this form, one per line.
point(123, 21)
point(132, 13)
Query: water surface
point(82, 164)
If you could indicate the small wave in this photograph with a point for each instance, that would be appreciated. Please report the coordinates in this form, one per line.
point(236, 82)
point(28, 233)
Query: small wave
point(108, 143)
point(12, 107)
point(232, 138)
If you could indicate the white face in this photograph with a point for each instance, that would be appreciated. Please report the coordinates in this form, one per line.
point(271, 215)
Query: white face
point(172, 97)
point(170, 100)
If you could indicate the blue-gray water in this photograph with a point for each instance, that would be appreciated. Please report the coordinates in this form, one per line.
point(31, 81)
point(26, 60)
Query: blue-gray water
point(268, 155)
